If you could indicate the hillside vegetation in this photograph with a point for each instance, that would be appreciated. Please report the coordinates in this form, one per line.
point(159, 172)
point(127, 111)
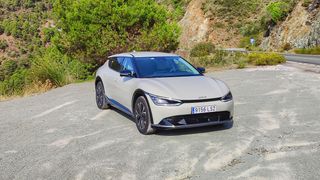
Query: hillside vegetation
point(44, 44)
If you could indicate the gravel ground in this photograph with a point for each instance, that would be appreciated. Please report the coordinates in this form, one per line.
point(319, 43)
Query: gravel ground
point(62, 135)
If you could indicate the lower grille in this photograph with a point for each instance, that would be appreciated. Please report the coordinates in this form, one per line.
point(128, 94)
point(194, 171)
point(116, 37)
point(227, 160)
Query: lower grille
point(197, 118)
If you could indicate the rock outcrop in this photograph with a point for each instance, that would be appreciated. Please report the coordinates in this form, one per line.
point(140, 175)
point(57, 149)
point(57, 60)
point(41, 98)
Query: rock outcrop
point(301, 29)
point(194, 25)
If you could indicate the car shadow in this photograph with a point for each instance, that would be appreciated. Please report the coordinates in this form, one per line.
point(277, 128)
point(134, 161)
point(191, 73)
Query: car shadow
point(198, 130)
point(180, 132)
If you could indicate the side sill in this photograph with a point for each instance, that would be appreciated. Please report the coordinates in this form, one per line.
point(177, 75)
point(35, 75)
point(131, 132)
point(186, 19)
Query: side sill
point(120, 107)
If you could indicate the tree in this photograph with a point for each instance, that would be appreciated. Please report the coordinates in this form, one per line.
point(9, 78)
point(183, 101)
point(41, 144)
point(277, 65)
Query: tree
point(90, 30)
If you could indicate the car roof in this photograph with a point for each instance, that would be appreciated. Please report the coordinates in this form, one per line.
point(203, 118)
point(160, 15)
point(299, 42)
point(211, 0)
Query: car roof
point(144, 54)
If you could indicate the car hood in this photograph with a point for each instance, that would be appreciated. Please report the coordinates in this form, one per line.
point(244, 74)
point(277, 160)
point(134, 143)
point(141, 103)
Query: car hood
point(185, 88)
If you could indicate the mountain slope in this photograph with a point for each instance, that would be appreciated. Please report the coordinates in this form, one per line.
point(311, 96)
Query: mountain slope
point(301, 29)
point(276, 25)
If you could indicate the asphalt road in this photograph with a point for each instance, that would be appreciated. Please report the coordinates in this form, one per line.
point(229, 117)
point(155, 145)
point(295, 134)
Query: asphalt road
point(309, 59)
point(62, 135)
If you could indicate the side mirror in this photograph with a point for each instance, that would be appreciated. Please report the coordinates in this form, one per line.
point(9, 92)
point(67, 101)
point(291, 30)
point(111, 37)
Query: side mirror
point(126, 73)
point(201, 70)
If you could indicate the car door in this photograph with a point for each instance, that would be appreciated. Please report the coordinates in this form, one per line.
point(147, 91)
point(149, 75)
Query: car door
point(112, 77)
point(125, 85)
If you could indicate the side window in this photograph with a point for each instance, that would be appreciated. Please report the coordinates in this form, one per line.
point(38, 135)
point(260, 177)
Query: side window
point(127, 64)
point(115, 64)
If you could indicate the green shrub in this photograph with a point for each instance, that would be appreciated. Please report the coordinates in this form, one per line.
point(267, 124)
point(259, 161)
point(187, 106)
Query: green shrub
point(48, 34)
point(218, 25)
point(24, 62)
point(250, 29)
point(286, 47)
point(3, 44)
point(219, 59)
point(278, 10)
point(80, 70)
point(313, 50)
point(23, 25)
point(14, 84)
point(176, 6)
point(13, 54)
point(58, 68)
point(241, 64)
point(262, 59)
point(306, 3)
point(202, 49)
point(204, 61)
point(165, 35)
point(1, 28)
point(301, 51)
point(7, 68)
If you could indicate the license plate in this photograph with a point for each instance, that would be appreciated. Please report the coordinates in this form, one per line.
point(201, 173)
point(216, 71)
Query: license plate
point(203, 109)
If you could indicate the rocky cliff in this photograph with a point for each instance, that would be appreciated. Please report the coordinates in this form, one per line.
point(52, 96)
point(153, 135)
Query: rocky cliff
point(301, 29)
point(194, 25)
point(197, 27)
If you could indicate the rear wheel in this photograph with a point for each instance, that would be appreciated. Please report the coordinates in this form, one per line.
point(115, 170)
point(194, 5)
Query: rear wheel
point(101, 98)
point(143, 116)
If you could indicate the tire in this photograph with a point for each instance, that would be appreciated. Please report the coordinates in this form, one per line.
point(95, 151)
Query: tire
point(228, 125)
point(142, 116)
point(101, 98)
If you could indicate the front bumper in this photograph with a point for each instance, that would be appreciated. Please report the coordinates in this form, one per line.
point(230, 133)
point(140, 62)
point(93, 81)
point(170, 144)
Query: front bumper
point(168, 116)
point(192, 121)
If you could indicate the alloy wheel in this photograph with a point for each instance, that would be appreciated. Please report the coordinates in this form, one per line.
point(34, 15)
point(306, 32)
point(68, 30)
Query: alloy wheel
point(141, 116)
point(100, 96)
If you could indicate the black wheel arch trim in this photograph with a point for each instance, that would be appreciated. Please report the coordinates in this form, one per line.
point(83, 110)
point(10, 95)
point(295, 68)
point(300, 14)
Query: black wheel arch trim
point(138, 93)
point(98, 78)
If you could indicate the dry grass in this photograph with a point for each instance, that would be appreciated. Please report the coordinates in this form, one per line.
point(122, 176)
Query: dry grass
point(38, 87)
point(32, 89)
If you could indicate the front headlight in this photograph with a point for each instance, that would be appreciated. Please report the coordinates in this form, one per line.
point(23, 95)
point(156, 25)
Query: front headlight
point(227, 97)
point(163, 101)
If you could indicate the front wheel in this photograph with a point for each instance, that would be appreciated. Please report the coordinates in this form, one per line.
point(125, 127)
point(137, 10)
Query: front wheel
point(101, 98)
point(228, 125)
point(143, 116)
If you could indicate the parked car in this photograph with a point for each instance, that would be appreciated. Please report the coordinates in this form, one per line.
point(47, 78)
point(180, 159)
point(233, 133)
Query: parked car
point(162, 91)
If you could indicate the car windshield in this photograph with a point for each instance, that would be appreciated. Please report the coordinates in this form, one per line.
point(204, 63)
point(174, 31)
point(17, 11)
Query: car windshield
point(151, 67)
